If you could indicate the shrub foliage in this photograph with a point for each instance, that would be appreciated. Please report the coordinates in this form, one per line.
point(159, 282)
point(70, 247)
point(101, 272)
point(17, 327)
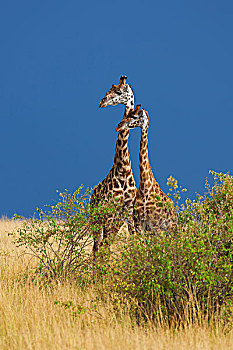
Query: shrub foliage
point(189, 267)
point(60, 237)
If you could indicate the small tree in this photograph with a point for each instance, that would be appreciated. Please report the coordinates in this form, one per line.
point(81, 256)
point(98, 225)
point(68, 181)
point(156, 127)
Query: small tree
point(60, 237)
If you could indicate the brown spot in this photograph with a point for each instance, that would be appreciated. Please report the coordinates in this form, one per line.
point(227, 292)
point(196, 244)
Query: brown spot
point(124, 151)
point(122, 183)
point(131, 182)
point(127, 195)
point(115, 183)
point(117, 192)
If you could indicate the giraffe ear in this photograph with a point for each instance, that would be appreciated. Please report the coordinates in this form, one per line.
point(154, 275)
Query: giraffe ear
point(122, 81)
point(137, 108)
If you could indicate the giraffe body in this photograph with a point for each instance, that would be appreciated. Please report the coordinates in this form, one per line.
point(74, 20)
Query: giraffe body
point(153, 209)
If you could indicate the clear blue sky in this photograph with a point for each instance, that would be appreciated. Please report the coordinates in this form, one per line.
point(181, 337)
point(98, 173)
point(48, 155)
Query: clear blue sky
point(57, 60)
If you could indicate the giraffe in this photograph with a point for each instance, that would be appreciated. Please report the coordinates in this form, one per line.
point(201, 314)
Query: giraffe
point(153, 209)
point(119, 182)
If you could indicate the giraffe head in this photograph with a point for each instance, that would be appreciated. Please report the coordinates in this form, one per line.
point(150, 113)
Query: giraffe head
point(137, 118)
point(121, 93)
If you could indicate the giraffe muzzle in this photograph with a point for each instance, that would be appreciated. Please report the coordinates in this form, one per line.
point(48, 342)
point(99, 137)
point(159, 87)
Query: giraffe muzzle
point(102, 103)
point(121, 126)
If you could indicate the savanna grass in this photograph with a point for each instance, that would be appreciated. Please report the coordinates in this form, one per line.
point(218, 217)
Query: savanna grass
point(172, 289)
point(33, 317)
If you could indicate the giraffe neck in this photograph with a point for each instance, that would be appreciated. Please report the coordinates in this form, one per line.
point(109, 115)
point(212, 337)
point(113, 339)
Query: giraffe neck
point(129, 106)
point(122, 159)
point(144, 165)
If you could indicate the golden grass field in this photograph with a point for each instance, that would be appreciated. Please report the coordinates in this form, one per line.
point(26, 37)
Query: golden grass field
point(29, 318)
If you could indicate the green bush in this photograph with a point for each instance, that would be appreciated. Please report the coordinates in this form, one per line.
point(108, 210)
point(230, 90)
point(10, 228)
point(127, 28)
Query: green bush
point(61, 237)
point(191, 265)
point(58, 236)
point(185, 269)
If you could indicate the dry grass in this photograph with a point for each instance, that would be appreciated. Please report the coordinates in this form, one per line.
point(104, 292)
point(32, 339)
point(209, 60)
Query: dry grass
point(29, 318)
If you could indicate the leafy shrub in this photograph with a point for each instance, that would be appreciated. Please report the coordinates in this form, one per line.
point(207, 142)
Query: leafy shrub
point(58, 236)
point(190, 266)
point(61, 237)
point(187, 269)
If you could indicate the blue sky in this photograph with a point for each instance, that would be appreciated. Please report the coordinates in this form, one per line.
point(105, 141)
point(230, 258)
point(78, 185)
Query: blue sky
point(59, 58)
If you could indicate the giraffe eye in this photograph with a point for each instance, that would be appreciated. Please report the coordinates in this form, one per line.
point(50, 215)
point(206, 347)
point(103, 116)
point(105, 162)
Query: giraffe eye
point(118, 92)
